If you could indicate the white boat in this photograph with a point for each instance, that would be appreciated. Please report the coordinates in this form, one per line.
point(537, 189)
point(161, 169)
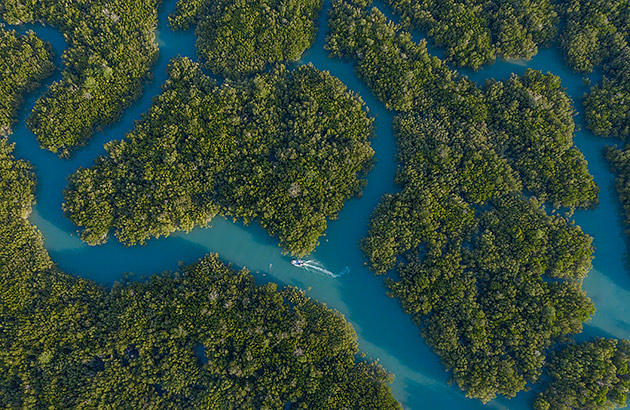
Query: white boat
point(297, 262)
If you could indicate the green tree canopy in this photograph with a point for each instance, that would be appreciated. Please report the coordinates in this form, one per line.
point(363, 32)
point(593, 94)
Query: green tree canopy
point(597, 34)
point(488, 275)
point(111, 48)
point(237, 38)
point(476, 32)
point(588, 376)
point(24, 62)
point(286, 149)
point(206, 337)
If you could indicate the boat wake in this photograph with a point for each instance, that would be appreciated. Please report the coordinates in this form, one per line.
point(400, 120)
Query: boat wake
point(317, 267)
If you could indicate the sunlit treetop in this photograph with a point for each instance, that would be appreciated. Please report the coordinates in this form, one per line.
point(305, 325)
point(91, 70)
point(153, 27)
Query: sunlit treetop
point(110, 50)
point(236, 38)
point(285, 148)
point(24, 62)
point(477, 32)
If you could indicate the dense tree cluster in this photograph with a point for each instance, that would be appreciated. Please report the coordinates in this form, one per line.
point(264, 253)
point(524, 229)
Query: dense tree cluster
point(204, 337)
point(475, 259)
point(527, 119)
point(619, 161)
point(595, 31)
point(532, 119)
point(400, 72)
point(476, 32)
point(24, 62)
point(490, 277)
point(597, 34)
point(111, 48)
point(588, 376)
point(285, 148)
point(236, 38)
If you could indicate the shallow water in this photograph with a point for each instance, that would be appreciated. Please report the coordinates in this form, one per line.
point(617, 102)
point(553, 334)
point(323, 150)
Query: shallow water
point(384, 331)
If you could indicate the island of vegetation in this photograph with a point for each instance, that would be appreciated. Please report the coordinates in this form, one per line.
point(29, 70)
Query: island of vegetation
point(597, 34)
point(206, 337)
point(24, 62)
point(592, 375)
point(619, 161)
point(111, 48)
point(477, 32)
point(491, 278)
point(285, 148)
point(237, 38)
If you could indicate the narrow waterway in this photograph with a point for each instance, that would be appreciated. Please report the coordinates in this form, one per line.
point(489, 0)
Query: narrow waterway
point(384, 331)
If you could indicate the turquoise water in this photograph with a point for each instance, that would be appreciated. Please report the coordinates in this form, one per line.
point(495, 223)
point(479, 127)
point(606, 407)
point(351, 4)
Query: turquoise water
point(384, 331)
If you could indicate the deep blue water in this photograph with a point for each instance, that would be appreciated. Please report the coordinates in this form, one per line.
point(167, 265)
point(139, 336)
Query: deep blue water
point(384, 331)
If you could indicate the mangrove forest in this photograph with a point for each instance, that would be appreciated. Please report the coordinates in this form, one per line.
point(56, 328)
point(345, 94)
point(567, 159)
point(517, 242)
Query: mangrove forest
point(284, 149)
point(205, 336)
point(472, 231)
point(237, 38)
